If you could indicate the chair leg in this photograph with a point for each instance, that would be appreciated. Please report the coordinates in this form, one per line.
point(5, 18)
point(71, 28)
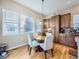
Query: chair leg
point(28, 47)
point(52, 52)
point(30, 50)
point(45, 54)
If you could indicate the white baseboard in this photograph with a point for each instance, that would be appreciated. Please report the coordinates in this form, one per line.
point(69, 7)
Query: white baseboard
point(16, 46)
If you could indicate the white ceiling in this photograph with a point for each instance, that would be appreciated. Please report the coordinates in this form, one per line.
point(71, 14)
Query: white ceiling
point(50, 6)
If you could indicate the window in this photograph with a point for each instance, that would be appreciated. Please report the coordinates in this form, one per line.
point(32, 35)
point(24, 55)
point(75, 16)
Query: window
point(10, 22)
point(76, 21)
point(13, 23)
point(37, 25)
point(27, 24)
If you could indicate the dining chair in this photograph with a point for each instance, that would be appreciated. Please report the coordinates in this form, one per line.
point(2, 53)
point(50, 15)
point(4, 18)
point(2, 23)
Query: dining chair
point(32, 43)
point(48, 44)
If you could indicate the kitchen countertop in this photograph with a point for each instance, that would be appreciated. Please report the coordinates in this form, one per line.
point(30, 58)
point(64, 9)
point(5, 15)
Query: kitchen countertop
point(76, 34)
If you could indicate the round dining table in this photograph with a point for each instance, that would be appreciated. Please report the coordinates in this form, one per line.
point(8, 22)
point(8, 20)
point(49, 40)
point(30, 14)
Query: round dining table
point(40, 39)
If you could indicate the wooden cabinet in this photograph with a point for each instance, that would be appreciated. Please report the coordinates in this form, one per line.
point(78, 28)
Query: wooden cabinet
point(67, 39)
point(65, 20)
point(57, 22)
point(62, 39)
point(54, 22)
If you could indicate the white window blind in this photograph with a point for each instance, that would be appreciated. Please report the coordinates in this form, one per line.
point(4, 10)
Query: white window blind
point(14, 23)
point(10, 22)
point(76, 21)
point(37, 25)
point(27, 24)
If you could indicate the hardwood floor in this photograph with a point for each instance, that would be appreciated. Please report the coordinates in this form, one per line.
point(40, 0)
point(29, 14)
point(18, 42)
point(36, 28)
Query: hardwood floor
point(60, 52)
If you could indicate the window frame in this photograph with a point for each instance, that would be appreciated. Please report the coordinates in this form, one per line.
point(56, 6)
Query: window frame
point(73, 20)
point(19, 19)
point(5, 20)
point(30, 20)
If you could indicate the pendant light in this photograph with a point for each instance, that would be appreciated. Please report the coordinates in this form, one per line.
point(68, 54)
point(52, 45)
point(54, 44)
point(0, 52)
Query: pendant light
point(42, 8)
point(41, 22)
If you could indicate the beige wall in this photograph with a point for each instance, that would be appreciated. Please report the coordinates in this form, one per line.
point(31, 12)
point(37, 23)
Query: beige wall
point(21, 39)
point(17, 40)
point(73, 10)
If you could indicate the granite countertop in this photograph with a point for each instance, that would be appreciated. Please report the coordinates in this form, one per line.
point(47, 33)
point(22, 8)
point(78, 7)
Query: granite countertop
point(76, 34)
